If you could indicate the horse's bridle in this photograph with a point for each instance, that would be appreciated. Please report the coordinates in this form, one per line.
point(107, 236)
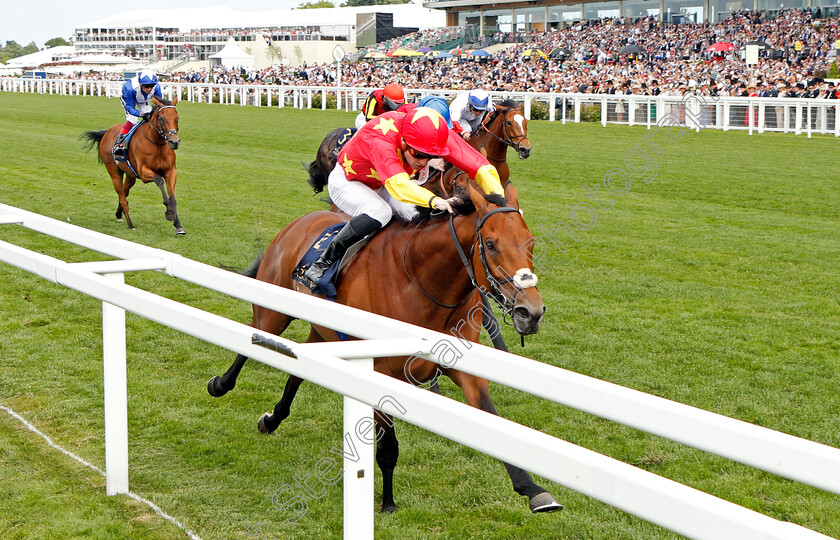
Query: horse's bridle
point(505, 304)
point(160, 129)
point(513, 142)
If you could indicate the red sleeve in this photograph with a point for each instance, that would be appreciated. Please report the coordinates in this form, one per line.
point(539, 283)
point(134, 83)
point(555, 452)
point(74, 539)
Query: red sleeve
point(464, 156)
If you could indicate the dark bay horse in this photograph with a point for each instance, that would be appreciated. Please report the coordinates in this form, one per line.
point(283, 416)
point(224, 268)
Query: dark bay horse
point(151, 153)
point(420, 278)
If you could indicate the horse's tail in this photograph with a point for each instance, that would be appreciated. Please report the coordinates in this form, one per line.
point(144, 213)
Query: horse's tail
point(251, 271)
point(92, 138)
point(317, 178)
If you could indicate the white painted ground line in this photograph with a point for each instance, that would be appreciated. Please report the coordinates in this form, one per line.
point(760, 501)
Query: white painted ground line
point(134, 496)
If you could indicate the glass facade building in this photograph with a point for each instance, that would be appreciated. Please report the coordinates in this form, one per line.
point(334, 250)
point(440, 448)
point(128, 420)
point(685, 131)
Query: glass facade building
point(528, 17)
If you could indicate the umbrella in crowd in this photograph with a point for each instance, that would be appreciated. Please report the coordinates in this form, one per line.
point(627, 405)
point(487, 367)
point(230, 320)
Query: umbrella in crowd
point(721, 46)
point(535, 52)
point(558, 52)
point(405, 52)
point(631, 49)
point(438, 54)
point(480, 52)
point(375, 54)
point(424, 49)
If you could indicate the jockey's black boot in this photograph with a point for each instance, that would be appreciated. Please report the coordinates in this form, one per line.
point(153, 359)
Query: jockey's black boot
point(356, 229)
point(119, 148)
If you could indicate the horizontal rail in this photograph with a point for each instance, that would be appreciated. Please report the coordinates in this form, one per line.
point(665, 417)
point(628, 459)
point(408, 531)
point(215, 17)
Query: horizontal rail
point(789, 456)
point(672, 505)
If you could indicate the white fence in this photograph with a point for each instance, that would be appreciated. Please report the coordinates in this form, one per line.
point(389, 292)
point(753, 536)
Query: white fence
point(755, 115)
point(672, 505)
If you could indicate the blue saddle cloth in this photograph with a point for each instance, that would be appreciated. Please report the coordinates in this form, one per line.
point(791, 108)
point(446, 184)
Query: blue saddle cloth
point(327, 284)
point(342, 139)
point(126, 143)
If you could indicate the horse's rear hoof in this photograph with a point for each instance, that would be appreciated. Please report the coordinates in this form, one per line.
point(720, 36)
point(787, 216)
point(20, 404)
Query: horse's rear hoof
point(214, 387)
point(262, 426)
point(180, 231)
point(390, 509)
point(544, 502)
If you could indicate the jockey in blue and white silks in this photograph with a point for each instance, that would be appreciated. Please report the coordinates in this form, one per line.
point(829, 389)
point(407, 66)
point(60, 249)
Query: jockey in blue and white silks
point(137, 94)
point(469, 108)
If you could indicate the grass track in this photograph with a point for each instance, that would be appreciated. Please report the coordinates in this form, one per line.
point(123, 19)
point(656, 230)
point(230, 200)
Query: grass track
point(713, 285)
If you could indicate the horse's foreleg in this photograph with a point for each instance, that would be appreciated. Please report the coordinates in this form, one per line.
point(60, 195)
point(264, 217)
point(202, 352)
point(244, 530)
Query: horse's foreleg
point(477, 393)
point(269, 422)
point(491, 324)
point(387, 452)
point(167, 189)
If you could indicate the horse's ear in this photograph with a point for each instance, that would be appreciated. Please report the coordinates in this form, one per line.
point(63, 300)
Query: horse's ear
point(481, 204)
point(511, 196)
point(175, 99)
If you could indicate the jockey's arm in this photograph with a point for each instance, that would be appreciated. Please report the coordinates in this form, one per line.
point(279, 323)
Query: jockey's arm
point(370, 107)
point(471, 161)
point(129, 99)
point(403, 189)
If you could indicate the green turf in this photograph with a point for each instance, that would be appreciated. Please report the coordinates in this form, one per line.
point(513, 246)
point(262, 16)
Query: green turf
point(714, 285)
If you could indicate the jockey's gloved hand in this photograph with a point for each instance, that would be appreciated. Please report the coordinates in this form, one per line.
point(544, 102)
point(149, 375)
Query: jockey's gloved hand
point(445, 204)
point(146, 116)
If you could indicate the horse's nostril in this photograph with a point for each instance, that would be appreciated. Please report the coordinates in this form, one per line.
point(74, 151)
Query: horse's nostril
point(521, 313)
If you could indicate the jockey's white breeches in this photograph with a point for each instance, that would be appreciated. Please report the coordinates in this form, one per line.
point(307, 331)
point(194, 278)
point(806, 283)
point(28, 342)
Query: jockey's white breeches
point(142, 108)
point(360, 120)
point(356, 198)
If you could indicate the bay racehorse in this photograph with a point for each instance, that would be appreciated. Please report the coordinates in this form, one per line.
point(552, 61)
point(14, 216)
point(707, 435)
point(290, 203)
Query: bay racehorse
point(151, 153)
point(414, 273)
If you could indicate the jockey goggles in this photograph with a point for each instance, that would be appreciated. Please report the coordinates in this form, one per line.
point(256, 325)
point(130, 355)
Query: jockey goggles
point(417, 154)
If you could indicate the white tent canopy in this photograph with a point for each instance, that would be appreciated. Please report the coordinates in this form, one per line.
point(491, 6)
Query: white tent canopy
point(231, 56)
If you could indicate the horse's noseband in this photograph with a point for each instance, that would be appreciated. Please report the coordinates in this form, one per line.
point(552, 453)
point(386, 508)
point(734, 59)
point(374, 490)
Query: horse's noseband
point(165, 134)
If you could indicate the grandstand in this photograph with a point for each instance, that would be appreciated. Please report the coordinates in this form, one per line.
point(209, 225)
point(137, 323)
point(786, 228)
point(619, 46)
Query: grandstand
point(291, 37)
point(542, 15)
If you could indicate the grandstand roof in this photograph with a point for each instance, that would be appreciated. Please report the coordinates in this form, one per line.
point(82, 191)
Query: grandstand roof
point(220, 17)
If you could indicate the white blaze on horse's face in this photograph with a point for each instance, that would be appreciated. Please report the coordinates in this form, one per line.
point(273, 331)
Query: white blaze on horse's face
point(519, 119)
point(525, 278)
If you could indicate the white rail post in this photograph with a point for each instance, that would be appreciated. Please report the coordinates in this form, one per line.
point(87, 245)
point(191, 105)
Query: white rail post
point(116, 395)
point(358, 465)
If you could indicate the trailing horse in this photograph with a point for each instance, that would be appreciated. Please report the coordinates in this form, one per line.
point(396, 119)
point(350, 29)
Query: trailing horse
point(151, 158)
point(418, 273)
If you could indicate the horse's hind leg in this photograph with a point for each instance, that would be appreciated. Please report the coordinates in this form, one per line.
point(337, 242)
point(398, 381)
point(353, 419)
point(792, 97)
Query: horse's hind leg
point(269, 422)
point(122, 185)
point(271, 322)
point(387, 453)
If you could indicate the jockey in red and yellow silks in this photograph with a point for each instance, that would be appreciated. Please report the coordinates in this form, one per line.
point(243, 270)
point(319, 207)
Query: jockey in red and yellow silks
point(372, 177)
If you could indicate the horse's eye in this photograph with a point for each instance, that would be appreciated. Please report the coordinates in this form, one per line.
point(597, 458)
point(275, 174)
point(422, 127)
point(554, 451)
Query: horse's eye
point(489, 245)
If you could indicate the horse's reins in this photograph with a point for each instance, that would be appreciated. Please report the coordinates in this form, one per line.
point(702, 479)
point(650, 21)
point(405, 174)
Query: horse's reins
point(160, 129)
point(496, 284)
point(506, 140)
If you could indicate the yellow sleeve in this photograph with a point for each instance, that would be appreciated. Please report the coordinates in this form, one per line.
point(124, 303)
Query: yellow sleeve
point(403, 189)
point(487, 178)
point(370, 107)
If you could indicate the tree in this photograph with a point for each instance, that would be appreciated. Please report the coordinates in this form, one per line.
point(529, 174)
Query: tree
point(356, 3)
point(56, 42)
point(316, 5)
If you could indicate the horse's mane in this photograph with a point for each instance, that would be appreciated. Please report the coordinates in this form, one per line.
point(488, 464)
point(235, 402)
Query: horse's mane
point(463, 208)
point(509, 104)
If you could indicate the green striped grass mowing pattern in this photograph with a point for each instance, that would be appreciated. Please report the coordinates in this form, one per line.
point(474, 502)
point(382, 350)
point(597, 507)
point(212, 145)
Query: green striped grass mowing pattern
point(715, 284)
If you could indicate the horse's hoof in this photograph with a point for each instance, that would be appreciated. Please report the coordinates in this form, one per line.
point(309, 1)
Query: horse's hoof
point(390, 509)
point(214, 387)
point(180, 231)
point(262, 426)
point(544, 502)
